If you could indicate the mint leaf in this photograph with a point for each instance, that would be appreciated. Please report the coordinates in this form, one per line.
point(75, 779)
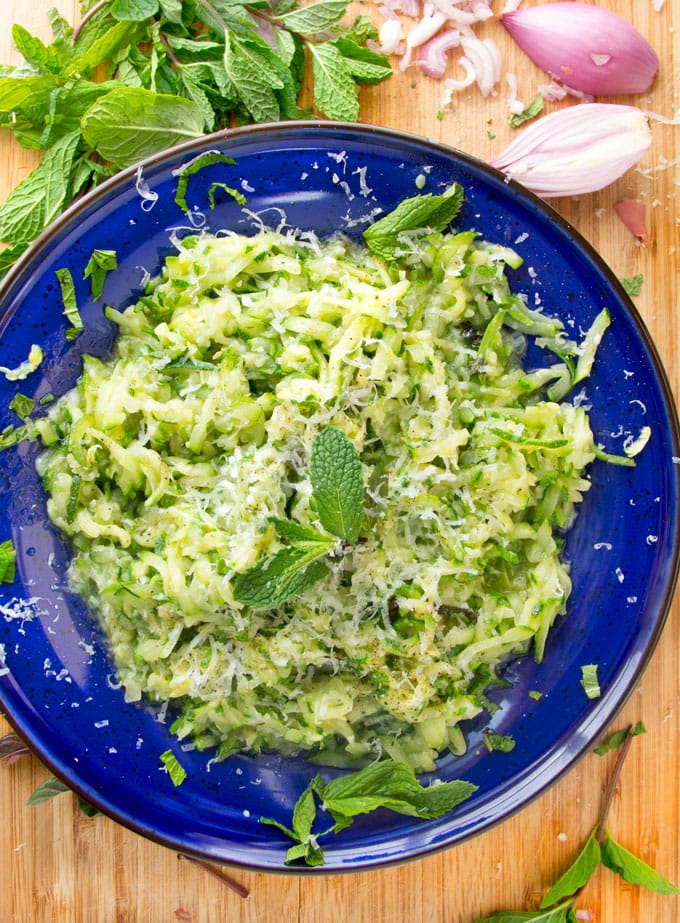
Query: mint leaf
point(100, 263)
point(337, 483)
point(39, 197)
point(388, 784)
point(12, 748)
point(366, 66)
point(134, 9)
point(283, 576)
point(589, 681)
point(634, 870)
point(50, 788)
point(422, 212)
point(22, 405)
point(130, 123)
point(578, 874)
point(534, 108)
point(68, 296)
point(335, 93)
point(198, 163)
point(291, 531)
point(618, 738)
point(501, 742)
point(253, 78)
point(316, 17)
point(9, 256)
point(632, 285)
point(562, 914)
point(176, 771)
point(8, 558)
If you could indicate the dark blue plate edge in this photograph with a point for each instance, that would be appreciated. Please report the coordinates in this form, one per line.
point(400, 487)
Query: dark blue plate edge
point(606, 709)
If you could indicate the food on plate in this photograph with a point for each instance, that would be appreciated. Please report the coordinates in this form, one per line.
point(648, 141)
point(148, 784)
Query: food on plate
point(182, 463)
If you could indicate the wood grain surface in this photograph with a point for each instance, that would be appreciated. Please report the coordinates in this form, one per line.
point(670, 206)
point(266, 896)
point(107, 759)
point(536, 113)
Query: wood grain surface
point(57, 865)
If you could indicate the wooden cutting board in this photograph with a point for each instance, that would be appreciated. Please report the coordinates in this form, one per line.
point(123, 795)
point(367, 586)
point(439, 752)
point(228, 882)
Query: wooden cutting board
point(57, 865)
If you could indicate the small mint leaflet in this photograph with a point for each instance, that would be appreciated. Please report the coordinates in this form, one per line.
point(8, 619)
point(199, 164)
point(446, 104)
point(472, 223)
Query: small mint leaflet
point(337, 483)
point(419, 213)
point(283, 576)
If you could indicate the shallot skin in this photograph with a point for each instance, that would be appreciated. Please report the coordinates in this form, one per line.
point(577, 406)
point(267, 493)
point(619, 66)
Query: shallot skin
point(587, 48)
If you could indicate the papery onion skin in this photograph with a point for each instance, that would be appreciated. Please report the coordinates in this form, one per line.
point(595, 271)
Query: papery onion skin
point(577, 150)
point(585, 47)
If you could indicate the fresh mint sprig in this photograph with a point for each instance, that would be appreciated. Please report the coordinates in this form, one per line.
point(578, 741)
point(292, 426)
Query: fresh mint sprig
point(418, 213)
point(173, 70)
point(599, 849)
point(338, 491)
point(385, 784)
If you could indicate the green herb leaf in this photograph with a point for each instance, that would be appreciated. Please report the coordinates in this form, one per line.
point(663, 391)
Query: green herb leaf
point(134, 9)
point(632, 285)
point(100, 263)
point(337, 483)
point(388, 784)
point(589, 680)
point(317, 17)
point(176, 771)
point(291, 531)
point(561, 914)
point(283, 576)
point(190, 169)
point(22, 405)
point(255, 80)
point(12, 748)
point(8, 557)
point(534, 108)
point(421, 212)
point(634, 870)
point(616, 739)
point(335, 93)
point(130, 123)
point(365, 66)
point(501, 742)
point(578, 874)
point(87, 809)
point(38, 198)
point(50, 788)
point(68, 296)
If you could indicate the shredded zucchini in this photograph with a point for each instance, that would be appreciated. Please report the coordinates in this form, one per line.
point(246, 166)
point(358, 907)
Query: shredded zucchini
point(166, 463)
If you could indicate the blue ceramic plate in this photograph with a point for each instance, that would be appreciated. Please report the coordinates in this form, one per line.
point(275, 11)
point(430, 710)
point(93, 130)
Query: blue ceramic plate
point(58, 687)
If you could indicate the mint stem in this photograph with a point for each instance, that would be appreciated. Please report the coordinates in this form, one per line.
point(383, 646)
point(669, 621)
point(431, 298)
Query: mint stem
point(611, 788)
point(216, 873)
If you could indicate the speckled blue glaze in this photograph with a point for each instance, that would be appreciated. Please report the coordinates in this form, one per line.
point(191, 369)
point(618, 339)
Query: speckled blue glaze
point(58, 687)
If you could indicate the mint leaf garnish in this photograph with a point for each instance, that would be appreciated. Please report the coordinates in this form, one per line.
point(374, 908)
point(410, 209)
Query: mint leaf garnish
point(633, 869)
point(8, 558)
point(578, 874)
point(100, 263)
point(618, 738)
point(562, 914)
point(68, 296)
point(283, 576)
point(632, 285)
point(386, 784)
point(47, 790)
point(338, 484)
point(422, 212)
point(176, 771)
point(534, 108)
